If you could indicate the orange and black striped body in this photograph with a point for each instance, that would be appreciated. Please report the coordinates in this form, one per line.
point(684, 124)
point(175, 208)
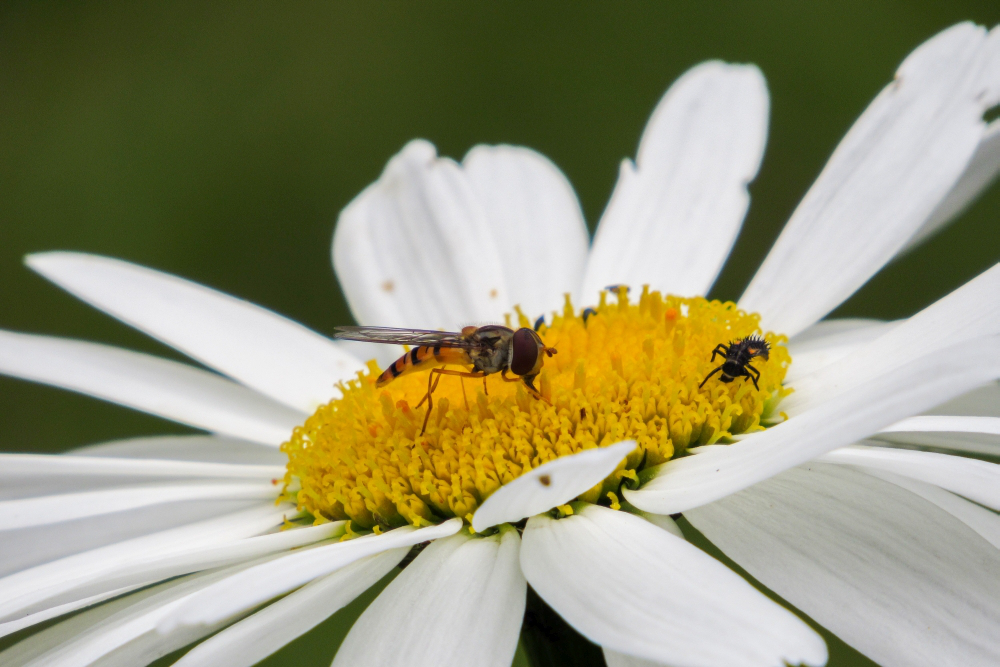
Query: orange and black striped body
point(424, 358)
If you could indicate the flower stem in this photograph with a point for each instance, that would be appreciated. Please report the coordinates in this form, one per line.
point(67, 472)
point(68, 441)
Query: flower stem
point(550, 642)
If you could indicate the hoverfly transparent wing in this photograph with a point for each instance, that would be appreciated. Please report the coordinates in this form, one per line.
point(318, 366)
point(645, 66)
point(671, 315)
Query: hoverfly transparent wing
point(413, 337)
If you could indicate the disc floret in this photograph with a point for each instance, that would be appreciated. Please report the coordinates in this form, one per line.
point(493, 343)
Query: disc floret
point(624, 371)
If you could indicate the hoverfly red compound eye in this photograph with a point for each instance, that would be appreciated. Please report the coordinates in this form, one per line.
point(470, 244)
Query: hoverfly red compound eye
point(524, 351)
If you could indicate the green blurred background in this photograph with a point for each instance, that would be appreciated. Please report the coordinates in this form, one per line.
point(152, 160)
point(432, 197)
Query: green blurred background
point(220, 142)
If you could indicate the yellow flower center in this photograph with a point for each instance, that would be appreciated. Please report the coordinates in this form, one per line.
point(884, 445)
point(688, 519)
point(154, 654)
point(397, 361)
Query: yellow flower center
point(623, 371)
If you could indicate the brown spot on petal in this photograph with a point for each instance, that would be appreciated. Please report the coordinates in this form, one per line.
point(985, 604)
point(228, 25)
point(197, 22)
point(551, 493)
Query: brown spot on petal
point(388, 286)
point(545, 480)
point(494, 294)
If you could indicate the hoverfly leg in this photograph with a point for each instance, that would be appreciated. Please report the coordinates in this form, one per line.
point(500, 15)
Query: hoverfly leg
point(485, 390)
point(436, 373)
point(537, 394)
point(708, 376)
point(427, 397)
point(464, 397)
point(528, 381)
point(430, 389)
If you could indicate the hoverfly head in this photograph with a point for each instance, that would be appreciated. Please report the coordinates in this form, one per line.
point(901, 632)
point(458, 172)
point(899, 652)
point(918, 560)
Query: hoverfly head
point(526, 352)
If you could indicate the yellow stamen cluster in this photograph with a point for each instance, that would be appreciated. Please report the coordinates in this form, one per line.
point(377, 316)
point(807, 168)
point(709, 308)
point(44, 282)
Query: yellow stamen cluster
point(627, 371)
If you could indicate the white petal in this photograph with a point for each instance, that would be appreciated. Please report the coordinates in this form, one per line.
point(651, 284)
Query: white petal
point(20, 549)
point(28, 590)
point(259, 635)
point(883, 569)
point(636, 589)
point(979, 175)
point(982, 401)
point(969, 312)
point(835, 327)
point(976, 517)
point(414, 249)
point(100, 499)
point(691, 481)
point(259, 348)
point(975, 480)
point(152, 569)
point(962, 434)
point(614, 659)
point(67, 506)
point(675, 214)
point(45, 465)
point(660, 521)
point(160, 387)
point(535, 222)
point(550, 485)
point(22, 622)
point(887, 176)
point(948, 424)
point(966, 444)
point(257, 585)
point(208, 448)
point(459, 603)
point(817, 351)
point(128, 637)
point(50, 638)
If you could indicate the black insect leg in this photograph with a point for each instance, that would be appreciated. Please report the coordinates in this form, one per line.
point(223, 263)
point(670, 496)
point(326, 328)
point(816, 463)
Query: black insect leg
point(720, 350)
point(708, 376)
point(754, 375)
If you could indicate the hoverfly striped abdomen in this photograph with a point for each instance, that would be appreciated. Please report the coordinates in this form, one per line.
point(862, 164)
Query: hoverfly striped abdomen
point(422, 358)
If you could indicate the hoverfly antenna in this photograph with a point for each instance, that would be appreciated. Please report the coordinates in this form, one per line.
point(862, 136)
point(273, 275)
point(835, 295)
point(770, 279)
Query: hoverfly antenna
point(549, 351)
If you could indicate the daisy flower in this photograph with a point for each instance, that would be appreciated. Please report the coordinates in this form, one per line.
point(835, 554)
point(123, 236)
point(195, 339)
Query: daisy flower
point(835, 471)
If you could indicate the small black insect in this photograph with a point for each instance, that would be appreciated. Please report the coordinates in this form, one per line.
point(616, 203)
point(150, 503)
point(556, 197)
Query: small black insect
point(738, 355)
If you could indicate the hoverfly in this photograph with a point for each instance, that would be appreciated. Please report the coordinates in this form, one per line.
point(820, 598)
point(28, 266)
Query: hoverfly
point(487, 350)
point(738, 355)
